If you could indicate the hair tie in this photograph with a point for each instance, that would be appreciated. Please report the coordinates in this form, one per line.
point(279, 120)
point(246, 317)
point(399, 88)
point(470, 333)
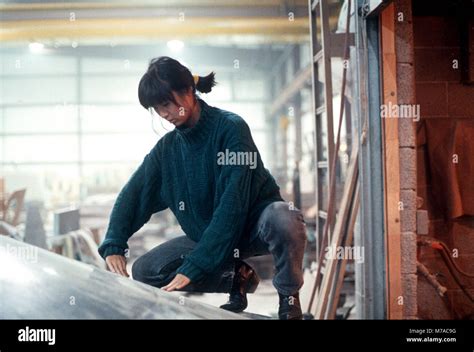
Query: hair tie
point(196, 79)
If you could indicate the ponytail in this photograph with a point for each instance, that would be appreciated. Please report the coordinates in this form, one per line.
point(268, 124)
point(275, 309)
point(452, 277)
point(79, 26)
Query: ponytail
point(205, 84)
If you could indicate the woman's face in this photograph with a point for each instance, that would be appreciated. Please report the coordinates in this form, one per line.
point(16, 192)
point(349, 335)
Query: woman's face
point(180, 113)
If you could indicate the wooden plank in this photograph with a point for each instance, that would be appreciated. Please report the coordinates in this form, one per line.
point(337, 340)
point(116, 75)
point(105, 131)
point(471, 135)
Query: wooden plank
point(341, 270)
point(339, 228)
point(328, 92)
point(297, 84)
point(391, 167)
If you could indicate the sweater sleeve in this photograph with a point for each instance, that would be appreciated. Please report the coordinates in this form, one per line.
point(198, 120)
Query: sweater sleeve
point(136, 202)
point(224, 232)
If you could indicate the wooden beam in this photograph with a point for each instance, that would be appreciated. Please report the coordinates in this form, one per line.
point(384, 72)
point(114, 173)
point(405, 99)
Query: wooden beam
point(339, 229)
point(152, 28)
point(391, 167)
point(145, 4)
point(296, 85)
point(328, 91)
point(347, 242)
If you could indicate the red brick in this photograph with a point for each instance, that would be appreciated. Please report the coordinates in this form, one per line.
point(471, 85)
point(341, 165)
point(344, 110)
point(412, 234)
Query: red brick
point(435, 208)
point(432, 31)
point(433, 99)
point(460, 100)
point(425, 252)
point(421, 137)
point(439, 229)
point(421, 173)
point(462, 233)
point(462, 305)
point(436, 64)
point(430, 305)
point(437, 267)
point(466, 264)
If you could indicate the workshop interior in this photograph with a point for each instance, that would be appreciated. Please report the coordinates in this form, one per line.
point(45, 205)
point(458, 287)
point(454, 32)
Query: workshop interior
point(361, 110)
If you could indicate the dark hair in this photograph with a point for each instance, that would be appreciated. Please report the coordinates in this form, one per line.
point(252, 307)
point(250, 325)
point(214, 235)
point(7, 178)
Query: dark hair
point(165, 75)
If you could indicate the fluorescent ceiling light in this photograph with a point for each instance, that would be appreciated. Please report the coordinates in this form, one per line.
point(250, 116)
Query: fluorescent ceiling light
point(36, 47)
point(175, 45)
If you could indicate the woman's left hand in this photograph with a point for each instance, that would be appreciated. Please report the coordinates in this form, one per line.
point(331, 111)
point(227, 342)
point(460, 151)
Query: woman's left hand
point(180, 281)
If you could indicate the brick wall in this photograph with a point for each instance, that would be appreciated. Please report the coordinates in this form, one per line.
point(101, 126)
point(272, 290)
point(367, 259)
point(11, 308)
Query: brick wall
point(443, 100)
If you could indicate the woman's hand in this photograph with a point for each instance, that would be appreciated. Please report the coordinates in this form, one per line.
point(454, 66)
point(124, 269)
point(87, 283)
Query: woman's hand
point(177, 283)
point(117, 264)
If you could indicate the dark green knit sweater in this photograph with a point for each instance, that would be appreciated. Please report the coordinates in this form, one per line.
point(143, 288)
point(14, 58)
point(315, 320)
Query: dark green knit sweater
point(215, 199)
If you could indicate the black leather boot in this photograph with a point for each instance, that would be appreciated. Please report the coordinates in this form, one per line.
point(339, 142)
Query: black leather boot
point(245, 281)
point(290, 307)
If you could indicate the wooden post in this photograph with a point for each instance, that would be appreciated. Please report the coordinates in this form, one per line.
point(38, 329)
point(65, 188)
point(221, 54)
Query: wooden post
point(391, 166)
point(347, 242)
point(339, 231)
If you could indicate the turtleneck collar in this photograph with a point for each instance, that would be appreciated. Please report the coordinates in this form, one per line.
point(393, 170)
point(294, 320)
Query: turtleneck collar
point(200, 131)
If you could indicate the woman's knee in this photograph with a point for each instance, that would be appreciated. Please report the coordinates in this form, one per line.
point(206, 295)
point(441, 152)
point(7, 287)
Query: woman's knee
point(287, 223)
point(139, 270)
point(151, 273)
point(158, 265)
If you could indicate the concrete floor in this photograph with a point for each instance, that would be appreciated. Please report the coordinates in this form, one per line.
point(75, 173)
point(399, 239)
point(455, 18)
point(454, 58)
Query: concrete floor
point(263, 302)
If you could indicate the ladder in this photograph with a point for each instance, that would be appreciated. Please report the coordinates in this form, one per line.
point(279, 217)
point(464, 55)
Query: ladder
point(322, 102)
point(325, 46)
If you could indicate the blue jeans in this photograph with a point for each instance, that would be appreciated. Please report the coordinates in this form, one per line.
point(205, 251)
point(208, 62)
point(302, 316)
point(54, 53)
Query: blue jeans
point(280, 231)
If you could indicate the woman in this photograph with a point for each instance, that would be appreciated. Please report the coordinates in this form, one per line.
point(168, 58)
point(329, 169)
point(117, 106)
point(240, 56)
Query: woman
point(208, 171)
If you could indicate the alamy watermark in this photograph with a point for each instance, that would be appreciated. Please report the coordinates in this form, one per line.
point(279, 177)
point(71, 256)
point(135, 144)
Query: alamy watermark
point(400, 111)
point(237, 158)
point(355, 253)
point(37, 335)
point(27, 254)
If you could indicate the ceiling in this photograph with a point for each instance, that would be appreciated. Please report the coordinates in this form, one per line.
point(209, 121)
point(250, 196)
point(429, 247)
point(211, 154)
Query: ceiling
point(218, 23)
